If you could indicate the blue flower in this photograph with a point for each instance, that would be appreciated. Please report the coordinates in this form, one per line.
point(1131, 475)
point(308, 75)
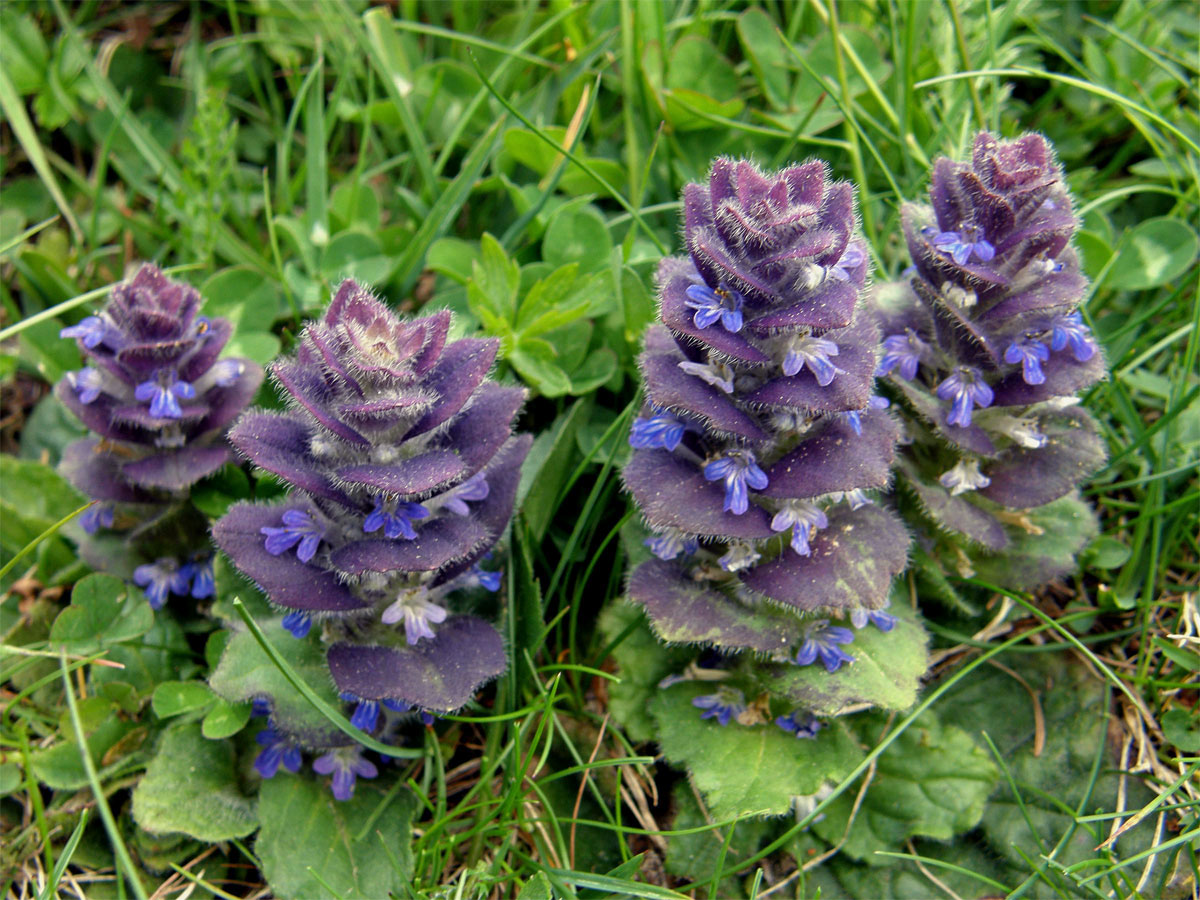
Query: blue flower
point(854, 416)
point(724, 303)
point(200, 574)
point(821, 640)
point(1069, 329)
point(739, 470)
point(97, 516)
point(91, 331)
point(298, 623)
point(87, 384)
point(966, 389)
point(417, 611)
point(478, 576)
point(159, 580)
point(663, 429)
point(961, 246)
point(963, 476)
point(724, 705)
point(298, 528)
point(260, 706)
point(345, 764)
point(162, 398)
point(395, 520)
point(804, 519)
point(719, 375)
point(474, 489)
point(1030, 353)
point(366, 713)
point(801, 724)
point(902, 352)
point(804, 349)
point(884, 621)
point(276, 751)
point(852, 258)
point(671, 542)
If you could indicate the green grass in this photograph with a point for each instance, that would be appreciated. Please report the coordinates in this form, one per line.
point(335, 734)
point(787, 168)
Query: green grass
point(299, 143)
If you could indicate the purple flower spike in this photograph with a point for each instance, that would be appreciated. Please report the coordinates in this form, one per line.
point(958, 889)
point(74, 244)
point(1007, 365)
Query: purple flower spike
point(739, 470)
point(663, 429)
point(1030, 353)
point(724, 304)
point(473, 489)
point(802, 724)
point(962, 246)
point(87, 384)
point(965, 389)
point(345, 764)
point(821, 641)
point(903, 353)
point(97, 516)
point(298, 623)
point(804, 519)
point(814, 352)
point(1071, 330)
point(395, 518)
point(90, 331)
point(861, 618)
point(160, 579)
point(164, 398)
point(725, 705)
point(298, 528)
point(276, 751)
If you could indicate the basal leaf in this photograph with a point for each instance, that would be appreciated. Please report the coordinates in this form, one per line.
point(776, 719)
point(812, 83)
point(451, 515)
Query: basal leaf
point(1045, 549)
point(103, 611)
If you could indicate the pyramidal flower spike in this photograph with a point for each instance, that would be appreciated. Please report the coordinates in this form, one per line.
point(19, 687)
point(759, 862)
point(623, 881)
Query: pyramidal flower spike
point(158, 400)
point(985, 345)
point(402, 470)
point(761, 433)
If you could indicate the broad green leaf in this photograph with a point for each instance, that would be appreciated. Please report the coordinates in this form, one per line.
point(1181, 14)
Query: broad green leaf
point(548, 304)
point(225, 719)
point(536, 888)
point(699, 78)
point(244, 296)
point(596, 370)
point(311, 843)
point(642, 662)
point(534, 360)
point(1182, 728)
point(355, 254)
point(1153, 253)
point(174, 698)
point(103, 611)
point(454, 258)
point(748, 770)
point(10, 778)
point(577, 233)
point(24, 51)
point(1107, 552)
point(48, 430)
point(354, 201)
point(768, 60)
point(897, 879)
point(695, 857)
point(60, 766)
point(494, 281)
point(32, 498)
point(886, 671)
point(933, 782)
point(159, 655)
point(1033, 557)
point(190, 787)
point(246, 672)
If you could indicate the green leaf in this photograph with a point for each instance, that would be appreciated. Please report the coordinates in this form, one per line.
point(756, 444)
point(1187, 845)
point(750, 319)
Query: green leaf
point(60, 766)
point(696, 856)
point(32, 498)
point(1063, 528)
point(454, 258)
point(494, 281)
point(190, 787)
point(933, 781)
point(577, 233)
point(536, 888)
point(311, 844)
point(642, 662)
point(103, 611)
point(174, 698)
point(1154, 253)
point(748, 770)
point(225, 719)
point(1107, 552)
point(1182, 728)
point(161, 654)
point(355, 254)
point(886, 671)
point(246, 672)
point(534, 360)
point(768, 59)
point(244, 296)
point(10, 778)
point(547, 467)
point(24, 51)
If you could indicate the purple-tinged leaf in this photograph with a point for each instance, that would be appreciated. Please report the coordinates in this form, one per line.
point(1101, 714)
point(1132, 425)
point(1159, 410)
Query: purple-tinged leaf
point(407, 478)
point(837, 459)
point(957, 514)
point(685, 611)
point(436, 326)
point(1065, 376)
point(309, 388)
point(440, 541)
point(483, 427)
point(1024, 478)
point(934, 411)
point(830, 306)
point(284, 579)
point(226, 403)
point(850, 565)
point(174, 470)
point(280, 444)
point(212, 340)
point(96, 471)
point(454, 378)
point(674, 280)
point(674, 494)
point(440, 674)
point(670, 387)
